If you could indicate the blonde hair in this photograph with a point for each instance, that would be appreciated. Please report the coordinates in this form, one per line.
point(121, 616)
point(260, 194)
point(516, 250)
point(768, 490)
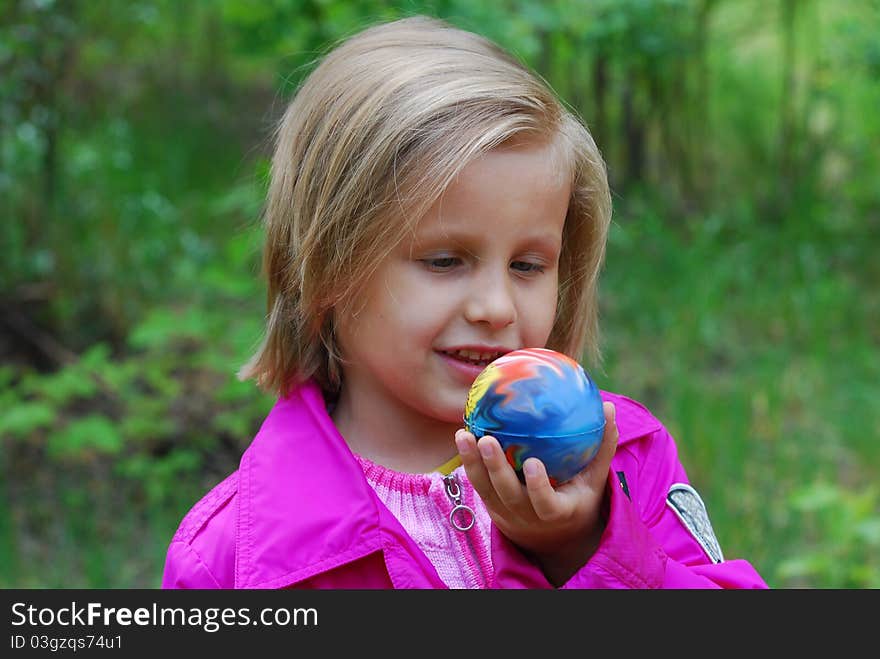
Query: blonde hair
point(371, 139)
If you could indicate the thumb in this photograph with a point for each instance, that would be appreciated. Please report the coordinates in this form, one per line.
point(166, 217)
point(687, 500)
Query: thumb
point(608, 446)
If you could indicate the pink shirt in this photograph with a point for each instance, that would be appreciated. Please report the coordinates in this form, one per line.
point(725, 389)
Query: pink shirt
point(420, 502)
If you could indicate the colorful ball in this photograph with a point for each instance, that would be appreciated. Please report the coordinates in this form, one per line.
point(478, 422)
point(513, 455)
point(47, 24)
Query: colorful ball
point(538, 403)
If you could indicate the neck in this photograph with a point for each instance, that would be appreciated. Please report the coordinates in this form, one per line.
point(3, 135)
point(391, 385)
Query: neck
point(400, 439)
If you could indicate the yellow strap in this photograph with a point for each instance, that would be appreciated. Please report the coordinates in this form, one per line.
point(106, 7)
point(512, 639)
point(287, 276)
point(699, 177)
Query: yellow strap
point(448, 467)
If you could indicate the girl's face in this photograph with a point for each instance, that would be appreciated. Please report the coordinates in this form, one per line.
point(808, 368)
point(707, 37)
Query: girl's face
point(477, 279)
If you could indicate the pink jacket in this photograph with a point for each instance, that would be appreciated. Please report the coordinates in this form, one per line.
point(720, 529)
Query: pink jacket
point(299, 513)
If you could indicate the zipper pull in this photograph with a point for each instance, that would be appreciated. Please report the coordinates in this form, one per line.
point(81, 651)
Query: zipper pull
point(467, 515)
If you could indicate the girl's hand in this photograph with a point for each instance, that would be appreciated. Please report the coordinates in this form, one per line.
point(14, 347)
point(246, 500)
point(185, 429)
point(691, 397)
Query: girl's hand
point(560, 528)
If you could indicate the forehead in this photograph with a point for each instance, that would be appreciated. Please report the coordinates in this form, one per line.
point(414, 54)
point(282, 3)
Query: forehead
point(518, 190)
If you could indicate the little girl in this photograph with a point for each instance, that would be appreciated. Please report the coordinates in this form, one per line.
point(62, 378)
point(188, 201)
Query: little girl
point(432, 207)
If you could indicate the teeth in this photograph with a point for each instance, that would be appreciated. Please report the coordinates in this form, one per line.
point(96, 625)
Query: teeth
point(474, 356)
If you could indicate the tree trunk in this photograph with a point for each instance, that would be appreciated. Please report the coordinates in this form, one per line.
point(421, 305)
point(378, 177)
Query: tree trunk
point(787, 118)
point(600, 96)
point(701, 147)
point(633, 129)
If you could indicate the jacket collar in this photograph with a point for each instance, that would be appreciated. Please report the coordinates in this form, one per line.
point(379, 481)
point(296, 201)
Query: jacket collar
point(304, 504)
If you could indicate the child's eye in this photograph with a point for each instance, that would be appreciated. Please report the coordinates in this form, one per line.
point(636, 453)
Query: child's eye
point(441, 263)
point(525, 266)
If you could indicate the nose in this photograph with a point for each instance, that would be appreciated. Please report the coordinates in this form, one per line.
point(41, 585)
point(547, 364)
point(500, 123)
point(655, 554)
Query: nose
point(491, 300)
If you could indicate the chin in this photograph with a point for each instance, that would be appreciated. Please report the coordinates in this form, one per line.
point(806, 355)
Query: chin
point(451, 414)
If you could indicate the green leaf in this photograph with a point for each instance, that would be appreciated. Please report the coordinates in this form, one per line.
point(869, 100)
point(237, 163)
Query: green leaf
point(7, 374)
point(94, 433)
point(818, 496)
point(163, 326)
point(25, 418)
point(68, 383)
point(869, 531)
point(96, 358)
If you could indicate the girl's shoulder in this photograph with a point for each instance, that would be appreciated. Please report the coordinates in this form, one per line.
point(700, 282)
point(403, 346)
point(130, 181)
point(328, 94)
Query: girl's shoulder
point(202, 552)
point(207, 508)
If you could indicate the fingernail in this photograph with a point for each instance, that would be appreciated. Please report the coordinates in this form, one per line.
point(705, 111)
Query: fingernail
point(485, 449)
point(461, 444)
point(530, 468)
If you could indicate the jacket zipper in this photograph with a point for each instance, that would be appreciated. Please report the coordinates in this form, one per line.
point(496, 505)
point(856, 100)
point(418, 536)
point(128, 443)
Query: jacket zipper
point(462, 517)
point(453, 491)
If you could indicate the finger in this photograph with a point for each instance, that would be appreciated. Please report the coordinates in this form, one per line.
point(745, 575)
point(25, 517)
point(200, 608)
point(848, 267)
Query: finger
point(476, 471)
point(503, 477)
point(544, 499)
point(598, 468)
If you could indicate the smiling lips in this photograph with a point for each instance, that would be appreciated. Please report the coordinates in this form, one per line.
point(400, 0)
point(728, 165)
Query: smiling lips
point(475, 357)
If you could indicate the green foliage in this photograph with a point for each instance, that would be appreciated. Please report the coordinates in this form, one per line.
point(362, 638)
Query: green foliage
point(739, 300)
point(759, 356)
point(25, 418)
point(843, 528)
point(80, 438)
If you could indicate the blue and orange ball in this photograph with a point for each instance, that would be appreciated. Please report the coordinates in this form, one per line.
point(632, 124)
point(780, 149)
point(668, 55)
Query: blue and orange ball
point(538, 403)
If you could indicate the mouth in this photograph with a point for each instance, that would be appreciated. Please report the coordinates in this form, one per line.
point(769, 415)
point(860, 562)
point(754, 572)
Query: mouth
point(474, 357)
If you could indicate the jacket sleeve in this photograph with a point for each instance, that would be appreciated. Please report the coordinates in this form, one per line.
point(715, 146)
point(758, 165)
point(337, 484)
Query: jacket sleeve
point(184, 568)
point(645, 544)
point(627, 556)
point(202, 552)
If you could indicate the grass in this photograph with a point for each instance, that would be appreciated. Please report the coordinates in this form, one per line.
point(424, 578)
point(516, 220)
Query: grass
point(753, 344)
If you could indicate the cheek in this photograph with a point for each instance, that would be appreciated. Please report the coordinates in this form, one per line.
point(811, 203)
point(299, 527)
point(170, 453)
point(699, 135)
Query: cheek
point(358, 330)
point(541, 313)
point(404, 316)
point(417, 301)
point(418, 324)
